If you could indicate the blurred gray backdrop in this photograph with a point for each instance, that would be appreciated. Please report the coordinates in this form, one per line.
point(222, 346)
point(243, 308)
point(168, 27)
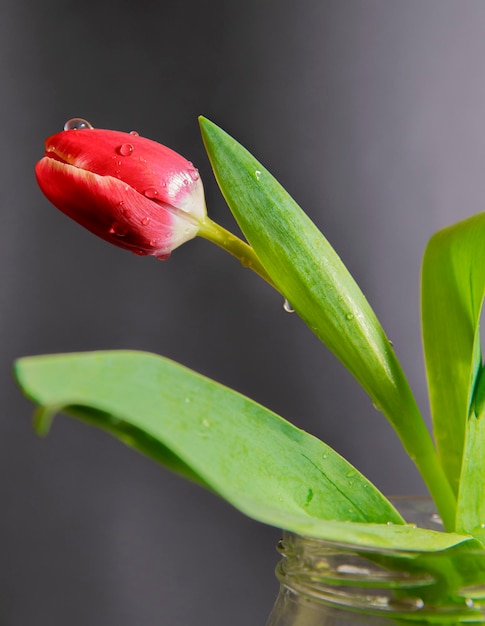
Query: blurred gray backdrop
point(370, 112)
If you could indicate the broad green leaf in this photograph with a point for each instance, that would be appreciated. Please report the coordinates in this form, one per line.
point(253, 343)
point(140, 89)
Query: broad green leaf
point(205, 431)
point(308, 271)
point(257, 461)
point(453, 282)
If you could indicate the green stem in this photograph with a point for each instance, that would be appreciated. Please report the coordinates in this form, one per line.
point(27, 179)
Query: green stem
point(237, 247)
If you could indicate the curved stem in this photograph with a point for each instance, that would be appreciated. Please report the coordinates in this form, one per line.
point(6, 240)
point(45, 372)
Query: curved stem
point(237, 247)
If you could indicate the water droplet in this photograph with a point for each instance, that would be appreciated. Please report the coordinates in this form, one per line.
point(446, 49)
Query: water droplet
point(119, 229)
point(126, 149)
point(482, 525)
point(77, 123)
point(349, 317)
point(287, 307)
point(436, 519)
point(145, 221)
point(194, 174)
point(162, 257)
point(151, 192)
point(140, 252)
point(206, 423)
point(257, 173)
point(390, 343)
point(469, 602)
point(134, 133)
point(154, 243)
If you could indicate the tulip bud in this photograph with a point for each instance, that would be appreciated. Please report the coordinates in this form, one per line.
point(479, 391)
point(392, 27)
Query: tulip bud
point(128, 190)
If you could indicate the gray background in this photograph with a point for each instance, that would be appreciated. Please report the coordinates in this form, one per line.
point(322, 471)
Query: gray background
point(370, 112)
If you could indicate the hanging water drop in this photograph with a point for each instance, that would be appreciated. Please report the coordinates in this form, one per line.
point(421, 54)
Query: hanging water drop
point(162, 257)
point(287, 307)
point(126, 149)
point(134, 133)
point(77, 123)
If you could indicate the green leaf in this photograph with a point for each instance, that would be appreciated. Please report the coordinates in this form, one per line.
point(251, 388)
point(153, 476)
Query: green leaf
point(205, 431)
point(453, 282)
point(260, 463)
point(308, 271)
point(471, 503)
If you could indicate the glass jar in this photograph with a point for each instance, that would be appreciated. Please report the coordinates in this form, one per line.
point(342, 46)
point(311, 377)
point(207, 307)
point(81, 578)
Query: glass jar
point(324, 583)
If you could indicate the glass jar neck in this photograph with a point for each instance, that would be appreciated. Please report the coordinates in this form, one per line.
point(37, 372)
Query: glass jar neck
point(327, 583)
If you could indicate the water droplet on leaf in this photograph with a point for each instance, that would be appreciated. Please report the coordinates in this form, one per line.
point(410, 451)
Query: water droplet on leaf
point(287, 307)
point(126, 149)
point(257, 173)
point(349, 317)
point(77, 123)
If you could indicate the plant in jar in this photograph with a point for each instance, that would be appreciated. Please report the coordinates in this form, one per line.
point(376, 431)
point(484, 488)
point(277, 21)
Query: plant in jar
point(143, 197)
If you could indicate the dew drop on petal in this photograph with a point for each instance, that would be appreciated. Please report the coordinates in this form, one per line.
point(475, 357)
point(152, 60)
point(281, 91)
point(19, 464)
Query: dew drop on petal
point(194, 174)
point(134, 133)
point(119, 229)
point(77, 123)
point(140, 252)
point(126, 149)
point(145, 221)
point(162, 257)
point(151, 192)
point(287, 307)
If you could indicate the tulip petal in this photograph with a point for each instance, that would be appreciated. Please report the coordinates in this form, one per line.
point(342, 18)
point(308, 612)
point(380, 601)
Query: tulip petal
point(143, 164)
point(113, 210)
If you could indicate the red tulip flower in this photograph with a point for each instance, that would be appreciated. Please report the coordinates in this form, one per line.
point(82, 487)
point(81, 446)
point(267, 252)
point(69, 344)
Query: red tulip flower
point(128, 190)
